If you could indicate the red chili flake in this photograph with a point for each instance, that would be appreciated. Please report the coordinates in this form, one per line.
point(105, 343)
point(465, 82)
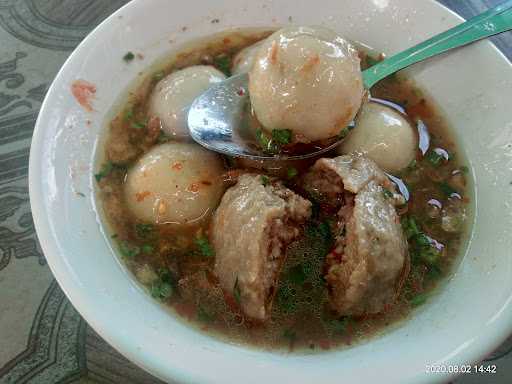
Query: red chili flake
point(241, 92)
point(226, 40)
point(177, 166)
point(310, 63)
point(193, 187)
point(83, 91)
point(142, 195)
point(205, 182)
point(338, 256)
point(273, 53)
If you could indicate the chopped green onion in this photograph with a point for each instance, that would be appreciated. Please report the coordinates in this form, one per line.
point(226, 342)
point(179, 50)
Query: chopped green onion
point(236, 291)
point(421, 247)
point(434, 272)
point(129, 57)
point(164, 287)
point(324, 229)
point(292, 172)
point(410, 227)
point(147, 249)
point(266, 143)
point(223, 64)
point(204, 246)
point(464, 169)
point(139, 125)
point(105, 170)
point(265, 180)
point(434, 158)
point(422, 240)
point(412, 165)
point(429, 255)
point(282, 136)
point(161, 290)
point(159, 75)
point(128, 115)
point(345, 131)
point(127, 250)
point(387, 193)
point(418, 299)
point(446, 188)
point(144, 229)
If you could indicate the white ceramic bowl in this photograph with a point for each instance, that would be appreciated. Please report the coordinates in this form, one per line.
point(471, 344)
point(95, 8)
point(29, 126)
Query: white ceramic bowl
point(469, 318)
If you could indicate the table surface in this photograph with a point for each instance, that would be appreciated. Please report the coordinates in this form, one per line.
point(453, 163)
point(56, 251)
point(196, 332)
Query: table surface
point(42, 337)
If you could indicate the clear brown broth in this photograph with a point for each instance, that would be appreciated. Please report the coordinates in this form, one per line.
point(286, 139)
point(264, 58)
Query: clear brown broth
point(300, 317)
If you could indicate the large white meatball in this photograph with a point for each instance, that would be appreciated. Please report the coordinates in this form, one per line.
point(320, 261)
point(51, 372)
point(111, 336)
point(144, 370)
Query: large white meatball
point(384, 135)
point(174, 183)
point(173, 95)
point(307, 80)
point(243, 60)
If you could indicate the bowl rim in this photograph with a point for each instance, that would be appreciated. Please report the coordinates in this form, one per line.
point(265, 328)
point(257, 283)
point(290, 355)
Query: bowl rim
point(55, 258)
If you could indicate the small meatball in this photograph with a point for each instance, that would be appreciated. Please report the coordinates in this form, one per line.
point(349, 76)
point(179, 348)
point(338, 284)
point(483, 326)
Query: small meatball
point(173, 95)
point(307, 80)
point(244, 60)
point(251, 230)
point(174, 183)
point(370, 260)
point(383, 135)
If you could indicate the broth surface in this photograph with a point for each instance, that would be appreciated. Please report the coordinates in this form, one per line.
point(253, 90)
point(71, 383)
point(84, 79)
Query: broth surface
point(175, 263)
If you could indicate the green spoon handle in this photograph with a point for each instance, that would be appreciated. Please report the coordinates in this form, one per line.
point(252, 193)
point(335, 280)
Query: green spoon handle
point(491, 22)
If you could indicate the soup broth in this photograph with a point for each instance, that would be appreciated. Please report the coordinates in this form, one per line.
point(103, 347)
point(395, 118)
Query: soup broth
point(175, 262)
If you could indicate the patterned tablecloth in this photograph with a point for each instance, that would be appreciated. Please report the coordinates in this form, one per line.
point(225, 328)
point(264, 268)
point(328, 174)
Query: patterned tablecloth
point(42, 337)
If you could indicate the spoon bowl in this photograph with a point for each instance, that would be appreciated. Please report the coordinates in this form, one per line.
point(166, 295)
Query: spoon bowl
point(219, 120)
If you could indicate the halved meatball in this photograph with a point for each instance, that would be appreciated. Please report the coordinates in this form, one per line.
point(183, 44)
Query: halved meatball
point(251, 229)
point(369, 261)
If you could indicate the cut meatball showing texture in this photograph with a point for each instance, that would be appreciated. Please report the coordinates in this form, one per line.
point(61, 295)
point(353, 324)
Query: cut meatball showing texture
point(251, 230)
point(369, 261)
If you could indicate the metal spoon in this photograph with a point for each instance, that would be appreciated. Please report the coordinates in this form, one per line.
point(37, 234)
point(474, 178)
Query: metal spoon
point(218, 119)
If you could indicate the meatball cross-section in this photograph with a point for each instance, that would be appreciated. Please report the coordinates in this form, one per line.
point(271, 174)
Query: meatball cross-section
point(256, 220)
point(370, 260)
